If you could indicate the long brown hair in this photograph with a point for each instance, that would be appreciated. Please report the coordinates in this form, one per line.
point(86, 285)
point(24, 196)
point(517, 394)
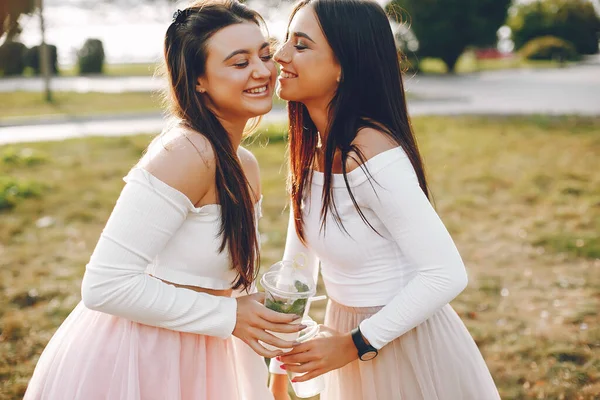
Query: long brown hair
point(370, 94)
point(185, 54)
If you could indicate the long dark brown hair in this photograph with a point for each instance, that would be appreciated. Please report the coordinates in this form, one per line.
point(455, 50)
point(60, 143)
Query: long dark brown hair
point(370, 94)
point(185, 55)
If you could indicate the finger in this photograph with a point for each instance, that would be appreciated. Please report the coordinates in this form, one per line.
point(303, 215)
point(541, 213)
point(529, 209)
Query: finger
point(301, 348)
point(308, 376)
point(277, 317)
point(301, 368)
point(282, 328)
point(297, 358)
point(258, 297)
point(266, 337)
point(260, 350)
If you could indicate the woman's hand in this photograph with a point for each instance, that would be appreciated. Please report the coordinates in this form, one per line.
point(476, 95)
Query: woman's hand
point(253, 318)
point(279, 387)
point(328, 351)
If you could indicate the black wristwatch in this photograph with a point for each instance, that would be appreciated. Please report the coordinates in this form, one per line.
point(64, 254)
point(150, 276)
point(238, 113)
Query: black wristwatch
point(366, 352)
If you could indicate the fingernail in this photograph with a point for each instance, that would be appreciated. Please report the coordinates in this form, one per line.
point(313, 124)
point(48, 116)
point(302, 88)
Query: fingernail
point(282, 366)
point(295, 343)
point(303, 327)
point(278, 358)
point(294, 380)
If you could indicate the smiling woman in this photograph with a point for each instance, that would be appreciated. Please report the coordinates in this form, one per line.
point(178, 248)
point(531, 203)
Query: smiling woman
point(361, 211)
point(169, 309)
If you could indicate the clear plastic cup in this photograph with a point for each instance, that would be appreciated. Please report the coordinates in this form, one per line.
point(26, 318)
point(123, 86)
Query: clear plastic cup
point(316, 385)
point(287, 290)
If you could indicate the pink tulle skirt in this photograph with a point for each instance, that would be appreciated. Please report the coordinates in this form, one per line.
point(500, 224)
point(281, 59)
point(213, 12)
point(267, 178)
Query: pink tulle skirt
point(437, 360)
point(95, 356)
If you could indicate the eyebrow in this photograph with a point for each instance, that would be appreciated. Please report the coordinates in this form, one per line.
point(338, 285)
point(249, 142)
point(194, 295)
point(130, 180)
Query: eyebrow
point(242, 51)
point(304, 35)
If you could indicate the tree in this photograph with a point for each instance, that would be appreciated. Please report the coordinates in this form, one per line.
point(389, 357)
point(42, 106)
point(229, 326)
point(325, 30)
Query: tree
point(445, 28)
point(575, 21)
point(10, 11)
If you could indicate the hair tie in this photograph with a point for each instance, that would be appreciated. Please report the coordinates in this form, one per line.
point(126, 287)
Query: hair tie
point(179, 16)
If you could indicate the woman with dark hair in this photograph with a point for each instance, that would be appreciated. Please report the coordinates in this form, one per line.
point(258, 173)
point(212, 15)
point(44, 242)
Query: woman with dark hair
point(360, 207)
point(163, 315)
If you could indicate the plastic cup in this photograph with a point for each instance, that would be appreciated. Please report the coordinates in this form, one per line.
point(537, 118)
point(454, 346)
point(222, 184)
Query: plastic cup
point(287, 290)
point(316, 385)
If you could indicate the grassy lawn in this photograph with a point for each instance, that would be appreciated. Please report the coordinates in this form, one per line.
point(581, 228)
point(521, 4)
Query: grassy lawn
point(521, 197)
point(18, 105)
point(72, 104)
point(468, 63)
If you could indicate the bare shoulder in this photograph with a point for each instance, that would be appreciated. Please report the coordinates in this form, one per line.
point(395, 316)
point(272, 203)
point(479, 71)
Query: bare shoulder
point(251, 169)
point(370, 142)
point(184, 160)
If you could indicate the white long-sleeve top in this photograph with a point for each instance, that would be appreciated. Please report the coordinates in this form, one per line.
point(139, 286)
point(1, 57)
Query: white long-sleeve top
point(412, 267)
point(155, 231)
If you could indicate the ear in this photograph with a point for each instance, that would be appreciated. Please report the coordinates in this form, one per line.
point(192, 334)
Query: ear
point(200, 86)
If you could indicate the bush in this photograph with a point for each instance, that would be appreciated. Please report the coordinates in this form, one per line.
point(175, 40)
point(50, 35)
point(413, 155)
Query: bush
point(572, 20)
point(32, 59)
point(549, 48)
point(91, 57)
point(12, 58)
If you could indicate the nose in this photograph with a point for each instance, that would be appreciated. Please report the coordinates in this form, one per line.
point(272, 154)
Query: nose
point(261, 71)
point(282, 56)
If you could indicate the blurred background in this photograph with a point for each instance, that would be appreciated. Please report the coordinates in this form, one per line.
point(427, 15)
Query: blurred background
point(505, 101)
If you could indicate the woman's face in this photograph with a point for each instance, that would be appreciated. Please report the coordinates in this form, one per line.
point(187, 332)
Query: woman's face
point(310, 72)
point(240, 74)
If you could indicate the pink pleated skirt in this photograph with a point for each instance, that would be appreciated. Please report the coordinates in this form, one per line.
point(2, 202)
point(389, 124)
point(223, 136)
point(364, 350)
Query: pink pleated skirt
point(96, 356)
point(437, 360)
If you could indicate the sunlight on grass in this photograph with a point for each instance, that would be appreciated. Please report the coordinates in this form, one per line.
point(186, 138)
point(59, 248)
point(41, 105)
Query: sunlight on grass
point(521, 197)
point(73, 104)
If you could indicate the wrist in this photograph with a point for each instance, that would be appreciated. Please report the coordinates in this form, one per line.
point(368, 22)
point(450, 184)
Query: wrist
point(350, 346)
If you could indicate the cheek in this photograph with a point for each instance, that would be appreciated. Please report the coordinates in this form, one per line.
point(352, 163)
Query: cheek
point(227, 85)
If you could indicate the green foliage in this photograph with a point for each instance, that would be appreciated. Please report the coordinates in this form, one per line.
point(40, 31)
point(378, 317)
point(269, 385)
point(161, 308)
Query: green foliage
point(11, 190)
point(549, 48)
point(32, 59)
point(10, 11)
point(572, 20)
point(12, 58)
point(445, 28)
point(21, 157)
point(91, 57)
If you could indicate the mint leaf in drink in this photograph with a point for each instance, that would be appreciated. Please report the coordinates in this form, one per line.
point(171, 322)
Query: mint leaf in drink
point(301, 287)
point(298, 307)
point(275, 305)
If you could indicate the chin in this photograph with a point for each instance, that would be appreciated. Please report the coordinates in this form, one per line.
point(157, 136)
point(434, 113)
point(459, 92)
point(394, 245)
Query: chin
point(257, 111)
point(285, 95)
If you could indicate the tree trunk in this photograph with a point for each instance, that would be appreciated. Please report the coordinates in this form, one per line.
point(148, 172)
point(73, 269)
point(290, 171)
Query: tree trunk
point(451, 60)
point(45, 55)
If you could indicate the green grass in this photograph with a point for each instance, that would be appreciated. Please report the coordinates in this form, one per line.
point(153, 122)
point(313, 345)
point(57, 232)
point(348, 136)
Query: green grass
point(517, 194)
point(71, 104)
point(24, 105)
point(468, 63)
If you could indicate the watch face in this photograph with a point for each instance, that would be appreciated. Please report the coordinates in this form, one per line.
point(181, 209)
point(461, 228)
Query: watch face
point(369, 355)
